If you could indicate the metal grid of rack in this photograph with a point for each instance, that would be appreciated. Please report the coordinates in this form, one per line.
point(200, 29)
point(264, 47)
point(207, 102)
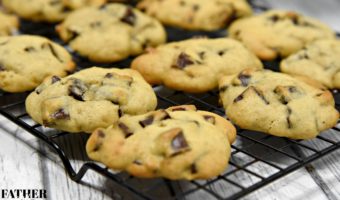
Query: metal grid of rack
point(257, 159)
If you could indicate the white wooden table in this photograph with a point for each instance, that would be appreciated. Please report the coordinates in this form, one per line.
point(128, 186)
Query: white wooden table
point(26, 163)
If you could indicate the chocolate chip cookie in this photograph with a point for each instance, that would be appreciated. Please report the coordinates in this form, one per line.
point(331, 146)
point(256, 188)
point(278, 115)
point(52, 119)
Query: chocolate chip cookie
point(277, 104)
point(176, 143)
point(25, 61)
point(111, 32)
point(277, 34)
point(9, 24)
point(207, 15)
point(89, 99)
point(47, 10)
point(195, 65)
point(319, 60)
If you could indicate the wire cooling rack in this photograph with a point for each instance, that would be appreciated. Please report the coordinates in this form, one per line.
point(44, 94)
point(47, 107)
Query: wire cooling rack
point(256, 159)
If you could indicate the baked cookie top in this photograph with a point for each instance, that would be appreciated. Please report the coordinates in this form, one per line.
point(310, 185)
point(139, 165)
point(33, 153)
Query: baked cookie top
point(176, 143)
point(277, 104)
point(47, 10)
point(26, 60)
point(194, 65)
point(92, 98)
point(111, 32)
point(277, 33)
point(9, 23)
point(319, 60)
point(208, 15)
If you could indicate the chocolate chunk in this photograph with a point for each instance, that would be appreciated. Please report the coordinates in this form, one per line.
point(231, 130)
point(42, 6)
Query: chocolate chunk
point(52, 50)
point(146, 122)
point(137, 162)
point(129, 17)
point(95, 24)
point(77, 89)
point(209, 118)
point(125, 130)
point(193, 168)
point(74, 34)
point(179, 144)
point(60, 114)
point(55, 79)
point(289, 123)
point(260, 94)
point(244, 78)
point(183, 60)
point(2, 68)
point(29, 49)
point(223, 88)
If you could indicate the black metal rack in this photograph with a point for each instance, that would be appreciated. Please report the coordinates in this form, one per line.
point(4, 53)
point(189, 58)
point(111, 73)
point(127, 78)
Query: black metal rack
point(257, 159)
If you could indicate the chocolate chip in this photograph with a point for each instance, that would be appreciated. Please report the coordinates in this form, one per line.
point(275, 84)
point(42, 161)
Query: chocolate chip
point(289, 123)
point(55, 79)
point(3, 43)
point(146, 122)
point(125, 130)
point(193, 168)
point(137, 162)
point(179, 144)
point(74, 34)
point(223, 88)
point(195, 7)
point(120, 113)
point(244, 78)
point(29, 49)
point(99, 142)
point(2, 68)
point(166, 116)
point(178, 109)
point(95, 24)
point(182, 3)
point(201, 55)
point(66, 9)
point(183, 60)
point(101, 134)
point(108, 75)
point(129, 17)
point(221, 53)
point(260, 94)
point(238, 98)
point(50, 47)
point(77, 89)
point(209, 118)
point(60, 114)
point(274, 18)
point(292, 89)
point(54, 2)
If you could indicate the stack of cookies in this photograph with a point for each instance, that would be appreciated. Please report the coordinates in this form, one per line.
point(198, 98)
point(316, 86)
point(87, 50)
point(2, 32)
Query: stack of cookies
point(118, 106)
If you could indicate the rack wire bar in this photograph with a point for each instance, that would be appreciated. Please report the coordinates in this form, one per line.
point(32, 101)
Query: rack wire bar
point(250, 150)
